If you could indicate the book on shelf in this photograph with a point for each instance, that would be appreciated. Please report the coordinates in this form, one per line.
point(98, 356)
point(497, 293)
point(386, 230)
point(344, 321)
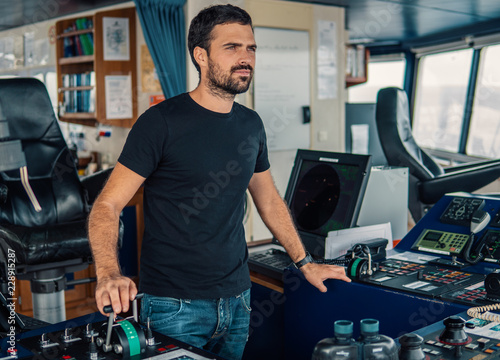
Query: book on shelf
point(78, 93)
point(81, 44)
point(355, 61)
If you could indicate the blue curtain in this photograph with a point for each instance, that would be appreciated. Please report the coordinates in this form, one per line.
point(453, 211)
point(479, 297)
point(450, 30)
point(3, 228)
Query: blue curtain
point(163, 25)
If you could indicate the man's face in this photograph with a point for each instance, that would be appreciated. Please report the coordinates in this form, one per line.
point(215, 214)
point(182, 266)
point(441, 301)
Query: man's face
point(231, 60)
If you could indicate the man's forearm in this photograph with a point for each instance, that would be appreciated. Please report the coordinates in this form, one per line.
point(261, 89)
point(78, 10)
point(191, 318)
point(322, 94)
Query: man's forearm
point(103, 230)
point(279, 221)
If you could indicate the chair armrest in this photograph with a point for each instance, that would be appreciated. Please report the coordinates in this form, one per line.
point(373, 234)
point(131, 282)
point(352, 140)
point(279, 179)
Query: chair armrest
point(467, 179)
point(94, 183)
point(470, 165)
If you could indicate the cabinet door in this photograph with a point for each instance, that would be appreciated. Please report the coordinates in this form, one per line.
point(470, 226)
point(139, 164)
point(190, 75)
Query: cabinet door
point(115, 67)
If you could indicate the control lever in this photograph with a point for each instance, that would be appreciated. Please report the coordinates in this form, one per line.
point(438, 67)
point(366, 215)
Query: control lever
point(107, 346)
point(480, 219)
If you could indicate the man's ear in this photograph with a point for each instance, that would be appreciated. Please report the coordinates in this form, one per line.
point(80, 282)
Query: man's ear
point(200, 56)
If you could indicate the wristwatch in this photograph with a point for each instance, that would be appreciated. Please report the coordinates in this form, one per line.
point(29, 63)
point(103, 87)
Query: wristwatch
point(304, 261)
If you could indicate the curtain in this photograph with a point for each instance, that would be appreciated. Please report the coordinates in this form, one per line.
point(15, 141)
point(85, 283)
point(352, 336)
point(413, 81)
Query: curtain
point(163, 24)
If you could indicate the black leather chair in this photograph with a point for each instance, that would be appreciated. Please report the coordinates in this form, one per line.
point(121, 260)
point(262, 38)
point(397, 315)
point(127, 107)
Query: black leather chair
point(52, 242)
point(428, 180)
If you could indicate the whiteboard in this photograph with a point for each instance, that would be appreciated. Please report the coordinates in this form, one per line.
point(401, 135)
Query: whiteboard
point(282, 86)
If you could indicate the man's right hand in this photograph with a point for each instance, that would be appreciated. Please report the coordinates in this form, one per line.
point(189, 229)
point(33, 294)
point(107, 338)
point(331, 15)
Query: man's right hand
point(117, 291)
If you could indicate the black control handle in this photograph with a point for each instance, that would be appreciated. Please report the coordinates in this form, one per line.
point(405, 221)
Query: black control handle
point(108, 309)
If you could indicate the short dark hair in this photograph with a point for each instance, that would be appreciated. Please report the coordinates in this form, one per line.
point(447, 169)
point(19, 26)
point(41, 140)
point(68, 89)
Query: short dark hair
point(200, 30)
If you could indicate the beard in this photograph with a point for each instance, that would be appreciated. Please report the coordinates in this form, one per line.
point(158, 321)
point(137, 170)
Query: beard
point(224, 84)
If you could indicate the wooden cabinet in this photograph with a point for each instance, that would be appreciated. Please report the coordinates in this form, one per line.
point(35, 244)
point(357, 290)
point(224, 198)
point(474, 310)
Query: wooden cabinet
point(357, 57)
point(96, 68)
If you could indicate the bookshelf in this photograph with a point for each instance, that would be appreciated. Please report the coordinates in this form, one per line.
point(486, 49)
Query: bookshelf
point(357, 57)
point(96, 68)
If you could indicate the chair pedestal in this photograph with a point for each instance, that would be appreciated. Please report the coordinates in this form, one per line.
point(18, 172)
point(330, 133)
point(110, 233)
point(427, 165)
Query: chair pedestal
point(49, 307)
point(48, 283)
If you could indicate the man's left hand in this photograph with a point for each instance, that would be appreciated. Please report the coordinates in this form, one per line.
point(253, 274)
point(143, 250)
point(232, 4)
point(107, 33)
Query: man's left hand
point(317, 273)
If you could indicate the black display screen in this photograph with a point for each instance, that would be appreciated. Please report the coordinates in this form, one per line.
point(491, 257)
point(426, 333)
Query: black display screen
point(324, 193)
point(433, 236)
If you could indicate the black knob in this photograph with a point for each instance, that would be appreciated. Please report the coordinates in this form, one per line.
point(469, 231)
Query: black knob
point(454, 333)
point(411, 347)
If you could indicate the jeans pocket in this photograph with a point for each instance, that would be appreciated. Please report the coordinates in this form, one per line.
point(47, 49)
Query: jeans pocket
point(245, 300)
point(161, 310)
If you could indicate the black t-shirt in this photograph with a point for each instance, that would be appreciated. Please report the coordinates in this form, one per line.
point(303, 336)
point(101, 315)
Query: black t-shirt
point(197, 164)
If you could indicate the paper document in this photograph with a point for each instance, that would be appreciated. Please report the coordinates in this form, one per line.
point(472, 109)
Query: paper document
point(338, 242)
point(413, 257)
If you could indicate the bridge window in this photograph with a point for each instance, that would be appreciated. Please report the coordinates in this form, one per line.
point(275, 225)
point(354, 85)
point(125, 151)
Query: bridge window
point(484, 133)
point(440, 96)
point(381, 74)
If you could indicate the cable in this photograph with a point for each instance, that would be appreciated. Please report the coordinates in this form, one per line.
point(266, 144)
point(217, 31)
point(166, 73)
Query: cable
point(358, 250)
point(467, 254)
point(339, 262)
point(476, 312)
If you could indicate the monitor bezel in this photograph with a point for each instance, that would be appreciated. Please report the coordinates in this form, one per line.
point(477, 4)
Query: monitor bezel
point(314, 243)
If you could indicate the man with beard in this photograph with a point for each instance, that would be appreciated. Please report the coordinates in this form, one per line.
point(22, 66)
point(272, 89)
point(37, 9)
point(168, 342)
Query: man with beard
point(197, 153)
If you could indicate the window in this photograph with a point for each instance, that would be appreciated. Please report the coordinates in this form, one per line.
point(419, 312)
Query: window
point(380, 75)
point(441, 91)
point(484, 133)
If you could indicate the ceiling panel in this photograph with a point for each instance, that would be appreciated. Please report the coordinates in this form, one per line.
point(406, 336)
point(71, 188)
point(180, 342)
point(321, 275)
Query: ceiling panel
point(385, 21)
point(391, 22)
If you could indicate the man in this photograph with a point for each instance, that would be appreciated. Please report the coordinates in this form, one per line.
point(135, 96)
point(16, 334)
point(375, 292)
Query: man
point(196, 154)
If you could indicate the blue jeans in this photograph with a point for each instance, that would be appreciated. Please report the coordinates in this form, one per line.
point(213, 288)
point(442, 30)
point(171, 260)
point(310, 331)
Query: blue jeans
point(216, 325)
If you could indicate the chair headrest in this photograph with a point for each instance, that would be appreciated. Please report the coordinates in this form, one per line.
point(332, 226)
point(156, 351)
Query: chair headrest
point(26, 99)
point(396, 137)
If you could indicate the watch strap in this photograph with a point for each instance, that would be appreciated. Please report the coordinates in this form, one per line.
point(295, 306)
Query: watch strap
point(304, 261)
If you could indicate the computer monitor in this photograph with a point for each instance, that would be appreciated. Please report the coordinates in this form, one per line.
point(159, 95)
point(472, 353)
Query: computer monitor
point(325, 193)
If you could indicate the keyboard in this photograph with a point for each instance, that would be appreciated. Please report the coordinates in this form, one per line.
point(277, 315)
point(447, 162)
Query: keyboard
point(31, 323)
point(271, 262)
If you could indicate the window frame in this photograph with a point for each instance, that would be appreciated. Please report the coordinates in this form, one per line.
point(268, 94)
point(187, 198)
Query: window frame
point(460, 156)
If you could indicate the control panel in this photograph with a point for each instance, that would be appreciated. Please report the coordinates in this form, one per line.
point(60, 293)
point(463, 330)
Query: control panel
point(460, 210)
point(456, 244)
point(452, 228)
point(441, 242)
point(87, 342)
point(457, 339)
point(430, 280)
point(110, 339)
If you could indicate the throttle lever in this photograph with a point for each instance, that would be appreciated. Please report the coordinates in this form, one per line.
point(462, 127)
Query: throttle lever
point(108, 309)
